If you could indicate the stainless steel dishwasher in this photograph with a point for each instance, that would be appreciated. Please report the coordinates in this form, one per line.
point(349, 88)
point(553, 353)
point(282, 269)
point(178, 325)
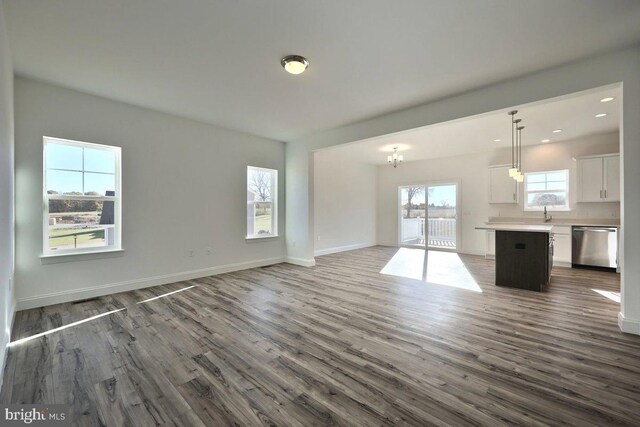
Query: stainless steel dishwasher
point(594, 247)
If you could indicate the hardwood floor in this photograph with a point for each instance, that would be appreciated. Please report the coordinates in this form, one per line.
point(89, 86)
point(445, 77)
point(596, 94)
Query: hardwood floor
point(337, 344)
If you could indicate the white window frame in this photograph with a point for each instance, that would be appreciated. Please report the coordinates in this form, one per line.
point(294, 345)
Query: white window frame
point(526, 192)
point(274, 202)
point(117, 199)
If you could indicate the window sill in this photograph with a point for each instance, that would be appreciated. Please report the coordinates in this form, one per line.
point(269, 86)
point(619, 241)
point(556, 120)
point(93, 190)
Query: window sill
point(548, 210)
point(269, 236)
point(59, 258)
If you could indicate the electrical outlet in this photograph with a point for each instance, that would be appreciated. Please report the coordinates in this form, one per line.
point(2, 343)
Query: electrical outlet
point(208, 250)
point(190, 254)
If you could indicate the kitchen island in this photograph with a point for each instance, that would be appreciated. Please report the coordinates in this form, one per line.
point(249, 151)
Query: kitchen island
point(524, 255)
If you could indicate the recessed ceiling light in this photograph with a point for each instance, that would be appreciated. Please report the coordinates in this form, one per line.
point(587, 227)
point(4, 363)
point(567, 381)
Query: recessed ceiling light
point(607, 99)
point(496, 140)
point(546, 140)
point(556, 130)
point(294, 64)
point(601, 115)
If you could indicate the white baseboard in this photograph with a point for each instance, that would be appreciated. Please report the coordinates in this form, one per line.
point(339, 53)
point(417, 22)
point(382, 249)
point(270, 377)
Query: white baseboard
point(471, 252)
point(628, 326)
point(343, 248)
point(301, 261)
point(130, 285)
point(562, 264)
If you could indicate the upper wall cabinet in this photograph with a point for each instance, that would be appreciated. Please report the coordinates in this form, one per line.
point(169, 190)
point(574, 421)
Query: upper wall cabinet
point(599, 178)
point(502, 188)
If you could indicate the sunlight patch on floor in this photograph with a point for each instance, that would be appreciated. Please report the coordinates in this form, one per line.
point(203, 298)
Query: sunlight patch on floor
point(436, 267)
point(613, 296)
point(166, 295)
point(32, 337)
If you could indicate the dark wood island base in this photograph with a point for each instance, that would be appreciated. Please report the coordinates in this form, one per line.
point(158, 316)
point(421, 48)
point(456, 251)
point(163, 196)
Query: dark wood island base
point(523, 259)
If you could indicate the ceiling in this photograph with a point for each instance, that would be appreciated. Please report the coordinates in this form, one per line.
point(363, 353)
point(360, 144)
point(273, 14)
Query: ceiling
point(574, 115)
point(218, 61)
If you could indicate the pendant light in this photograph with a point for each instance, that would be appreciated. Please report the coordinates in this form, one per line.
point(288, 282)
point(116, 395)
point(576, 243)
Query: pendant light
point(513, 171)
point(520, 176)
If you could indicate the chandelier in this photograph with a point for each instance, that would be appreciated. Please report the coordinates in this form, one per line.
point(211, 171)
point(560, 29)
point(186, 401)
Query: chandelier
point(515, 171)
point(395, 159)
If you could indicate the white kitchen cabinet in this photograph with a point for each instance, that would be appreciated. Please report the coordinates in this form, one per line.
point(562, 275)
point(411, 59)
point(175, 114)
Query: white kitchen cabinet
point(490, 251)
point(502, 188)
point(599, 178)
point(611, 175)
point(561, 246)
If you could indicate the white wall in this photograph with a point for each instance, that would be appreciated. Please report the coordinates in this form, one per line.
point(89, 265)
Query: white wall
point(6, 194)
point(184, 188)
point(622, 66)
point(472, 175)
point(345, 203)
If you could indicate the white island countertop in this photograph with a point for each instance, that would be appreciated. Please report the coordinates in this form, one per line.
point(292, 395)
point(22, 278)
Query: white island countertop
point(517, 227)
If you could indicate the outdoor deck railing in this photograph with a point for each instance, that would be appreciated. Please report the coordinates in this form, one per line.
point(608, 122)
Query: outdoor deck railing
point(439, 229)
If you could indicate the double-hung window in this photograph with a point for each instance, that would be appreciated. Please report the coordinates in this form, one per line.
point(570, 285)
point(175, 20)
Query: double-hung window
point(82, 197)
point(547, 189)
point(262, 197)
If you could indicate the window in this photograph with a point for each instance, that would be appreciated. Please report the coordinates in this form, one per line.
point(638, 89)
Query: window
point(81, 197)
point(262, 210)
point(550, 189)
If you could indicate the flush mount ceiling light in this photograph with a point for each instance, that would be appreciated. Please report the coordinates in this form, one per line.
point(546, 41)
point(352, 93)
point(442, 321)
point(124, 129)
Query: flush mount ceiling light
point(294, 64)
point(607, 99)
point(556, 130)
point(496, 140)
point(546, 140)
point(601, 115)
point(395, 159)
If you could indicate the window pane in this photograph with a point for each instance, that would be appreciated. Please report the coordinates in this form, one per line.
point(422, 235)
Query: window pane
point(548, 199)
point(535, 177)
point(556, 185)
point(96, 160)
point(99, 183)
point(64, 182)
point(259, 182)
point(80, 224)
point(62, 156)
point(263, 219)
point(557, 176)
point(538, 186)
point(261, 192)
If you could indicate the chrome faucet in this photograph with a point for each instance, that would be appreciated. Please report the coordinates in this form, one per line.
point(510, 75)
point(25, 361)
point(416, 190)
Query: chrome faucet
point(547, 217)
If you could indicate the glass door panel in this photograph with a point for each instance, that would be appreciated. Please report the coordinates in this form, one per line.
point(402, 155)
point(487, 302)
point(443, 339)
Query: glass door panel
point(412, 215)
point(442, 216)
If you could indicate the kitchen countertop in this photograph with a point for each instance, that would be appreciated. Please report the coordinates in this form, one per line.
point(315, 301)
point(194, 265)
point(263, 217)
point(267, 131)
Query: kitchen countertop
point(536, 228)
point(562, 222)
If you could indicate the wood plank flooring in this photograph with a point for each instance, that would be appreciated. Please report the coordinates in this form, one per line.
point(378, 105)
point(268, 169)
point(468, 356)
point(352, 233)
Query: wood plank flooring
point(337, 344)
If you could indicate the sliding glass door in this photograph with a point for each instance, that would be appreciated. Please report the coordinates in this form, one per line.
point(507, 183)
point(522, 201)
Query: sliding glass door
point(428, 216)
